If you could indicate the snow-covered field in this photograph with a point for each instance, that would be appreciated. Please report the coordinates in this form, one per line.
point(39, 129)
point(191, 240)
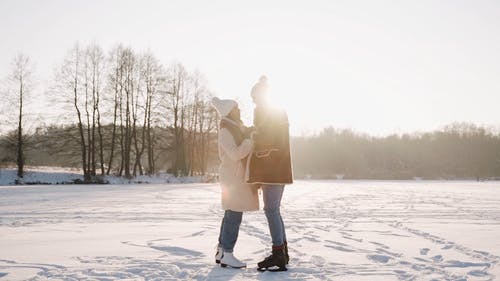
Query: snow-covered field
point(337, 230)
point(60, 175)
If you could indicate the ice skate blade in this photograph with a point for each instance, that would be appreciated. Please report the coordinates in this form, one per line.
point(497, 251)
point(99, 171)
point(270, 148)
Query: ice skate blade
point(236, 267)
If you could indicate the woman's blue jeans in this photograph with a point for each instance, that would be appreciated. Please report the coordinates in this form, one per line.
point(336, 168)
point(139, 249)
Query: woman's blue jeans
point(229, 229)
point(272, 200)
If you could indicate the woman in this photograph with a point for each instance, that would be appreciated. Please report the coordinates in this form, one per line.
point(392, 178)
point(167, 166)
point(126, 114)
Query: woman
point(237, 196)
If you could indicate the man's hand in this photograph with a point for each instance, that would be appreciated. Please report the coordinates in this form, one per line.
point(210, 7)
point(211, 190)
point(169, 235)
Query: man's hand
point(248, 131)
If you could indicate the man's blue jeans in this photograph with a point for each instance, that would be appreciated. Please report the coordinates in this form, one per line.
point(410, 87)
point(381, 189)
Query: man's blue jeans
point(229, 229)
point(272, 200)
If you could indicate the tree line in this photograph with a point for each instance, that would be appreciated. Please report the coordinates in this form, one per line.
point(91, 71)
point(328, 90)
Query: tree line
point(117, 113)
point(456, 151)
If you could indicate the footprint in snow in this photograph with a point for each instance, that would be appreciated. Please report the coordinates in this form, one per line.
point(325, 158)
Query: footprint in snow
point(379, 244)
point(424, 251)
point(477, 273)
point(318, 261)
point(196, 234)
point(420, 259)
point(379, 258)
point(311, 239)
point(403, 274)
point(354, 239)
point(178, 251)
point(340, 248)
point(336, 243)
point(437, 258)
point(463, 264)
point(448, 246)
point(384, 251)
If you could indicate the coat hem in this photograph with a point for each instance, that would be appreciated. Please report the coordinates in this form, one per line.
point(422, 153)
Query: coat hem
point(270, 183)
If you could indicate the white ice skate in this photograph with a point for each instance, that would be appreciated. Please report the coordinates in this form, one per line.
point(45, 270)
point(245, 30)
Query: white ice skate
point(228, 259)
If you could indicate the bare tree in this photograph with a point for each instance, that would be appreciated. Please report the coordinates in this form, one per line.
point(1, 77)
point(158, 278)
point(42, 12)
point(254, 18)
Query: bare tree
point(207, 126)
point(136, 107)
point(152, 73)
point(177, 93)
point(21, 80)
point(193, 115)
point(126, 113)
point(68, 83)
point(201, 120)
point(115, 84)
point(95, 57)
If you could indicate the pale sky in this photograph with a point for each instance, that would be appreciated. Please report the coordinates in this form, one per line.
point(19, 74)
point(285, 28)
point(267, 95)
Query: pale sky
point(378, 67)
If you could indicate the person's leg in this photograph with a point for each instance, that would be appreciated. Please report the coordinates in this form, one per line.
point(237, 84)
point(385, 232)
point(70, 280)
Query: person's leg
point(272, 200)
point(221, 228)
point(284, 231)
point(219, 250)
point(229, 230)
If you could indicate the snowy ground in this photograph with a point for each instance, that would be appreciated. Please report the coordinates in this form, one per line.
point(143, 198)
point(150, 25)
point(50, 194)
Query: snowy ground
point(55, 175)
point(337, 230)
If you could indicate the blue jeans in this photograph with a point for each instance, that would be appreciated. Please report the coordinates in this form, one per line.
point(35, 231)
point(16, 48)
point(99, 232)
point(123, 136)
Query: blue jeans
point(229, 229)
point(272, 199)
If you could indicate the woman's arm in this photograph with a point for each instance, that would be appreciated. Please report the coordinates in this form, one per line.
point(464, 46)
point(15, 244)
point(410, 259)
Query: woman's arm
point(235, 152)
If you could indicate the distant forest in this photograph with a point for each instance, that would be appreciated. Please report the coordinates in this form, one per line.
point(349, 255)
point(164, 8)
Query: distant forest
point(457, 151)
point(123, 112)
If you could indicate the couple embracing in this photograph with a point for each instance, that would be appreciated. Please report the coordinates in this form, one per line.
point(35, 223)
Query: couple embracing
point(253, 158)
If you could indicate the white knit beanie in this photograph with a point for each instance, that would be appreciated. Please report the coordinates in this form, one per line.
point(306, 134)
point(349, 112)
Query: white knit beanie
point(223, 107)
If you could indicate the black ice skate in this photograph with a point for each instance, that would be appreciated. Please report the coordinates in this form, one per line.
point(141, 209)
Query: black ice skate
point(275, 262)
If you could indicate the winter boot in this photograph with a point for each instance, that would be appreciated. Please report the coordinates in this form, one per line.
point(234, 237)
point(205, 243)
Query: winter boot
point(287, 258)
point(228, 259)
point(219, 252)
point(275, 262)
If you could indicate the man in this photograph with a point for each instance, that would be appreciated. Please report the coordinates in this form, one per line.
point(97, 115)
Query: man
point(270, 166)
